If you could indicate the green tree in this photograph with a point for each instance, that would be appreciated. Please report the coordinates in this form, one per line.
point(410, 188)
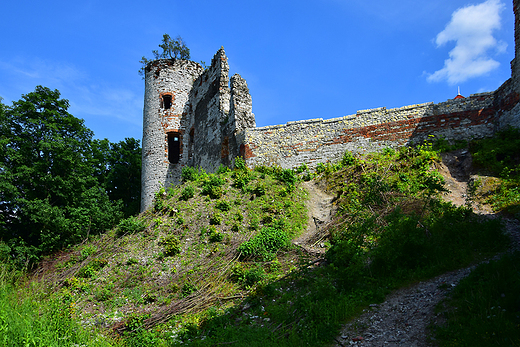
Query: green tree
point(118, 169)
point(49, 195)
point(171, 49)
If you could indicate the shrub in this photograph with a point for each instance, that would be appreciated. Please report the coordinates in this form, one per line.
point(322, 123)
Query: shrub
point(87, 251)
point(188, 289)
point(103, 293)
point(215, 236)
point(212, 186)
point(223, 206)
point(216, 219)
point(265, 244)
point(222, 169)
point(247, 277)
point(213, 192)
point(241, 178)
point(388, 151)
point(130, 225)
point(259, 189)
point(287, 176)
point(91, 269)
point(349, 159)
point(132, 261)
point(172, 245)
point(302, 168)
point(240, 163)
point(187, 193)
point(190, 174)
point(5, 252)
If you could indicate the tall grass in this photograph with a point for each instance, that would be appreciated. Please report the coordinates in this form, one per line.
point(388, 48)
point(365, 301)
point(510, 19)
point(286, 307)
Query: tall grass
point(500, 156)
point(29, 318)
point(484, 309)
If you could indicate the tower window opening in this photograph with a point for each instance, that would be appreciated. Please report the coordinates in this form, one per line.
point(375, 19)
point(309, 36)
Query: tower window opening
point(167, 101)
point(174, 148)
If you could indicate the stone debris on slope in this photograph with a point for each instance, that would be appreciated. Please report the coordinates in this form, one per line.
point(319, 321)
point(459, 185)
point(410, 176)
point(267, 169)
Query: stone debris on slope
point(402, 319)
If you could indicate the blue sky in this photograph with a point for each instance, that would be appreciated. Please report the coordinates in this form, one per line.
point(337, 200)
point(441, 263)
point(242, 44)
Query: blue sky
point(301, 59)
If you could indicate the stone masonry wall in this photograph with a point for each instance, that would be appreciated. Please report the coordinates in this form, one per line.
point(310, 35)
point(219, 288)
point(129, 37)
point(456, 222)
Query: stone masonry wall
point(209, 104)
point(317, 140)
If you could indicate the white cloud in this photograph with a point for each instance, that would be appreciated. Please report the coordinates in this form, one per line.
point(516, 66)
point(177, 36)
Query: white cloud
point(471, 28)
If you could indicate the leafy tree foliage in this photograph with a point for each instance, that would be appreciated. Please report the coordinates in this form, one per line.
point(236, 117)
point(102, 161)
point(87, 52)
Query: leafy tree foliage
point(49, 194)
point(171, 49)
point(118, 169)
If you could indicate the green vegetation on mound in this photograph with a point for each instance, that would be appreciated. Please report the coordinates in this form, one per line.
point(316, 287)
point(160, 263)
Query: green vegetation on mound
point(212, 263)
point(499, 157)
point(210, 241)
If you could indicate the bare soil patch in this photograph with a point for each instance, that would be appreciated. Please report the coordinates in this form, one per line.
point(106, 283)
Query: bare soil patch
point(319, 214)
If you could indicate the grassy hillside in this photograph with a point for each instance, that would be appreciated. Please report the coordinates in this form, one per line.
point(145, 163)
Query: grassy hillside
point(212, 262)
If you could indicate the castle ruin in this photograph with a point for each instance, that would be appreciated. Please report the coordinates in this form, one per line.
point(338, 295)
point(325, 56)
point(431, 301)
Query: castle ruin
point(201, 118)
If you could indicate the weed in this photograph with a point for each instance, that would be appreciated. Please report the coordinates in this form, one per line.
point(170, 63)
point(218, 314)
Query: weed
point(259, 190)
point(212, 186)
point(91, 269)
point(223, 205)
point(265, 244)
point(104, 293)
point(171, 244)
point(241, 178)
point(191, 174)
point(302, 168)
point(87, 251)
point(187, 193)
point(222, 170)
point(130, 225)
point(214, 235)
point(188, 289)
point(288, 177)
point(216, 219)
point(247, 277)
point(132, 261)
point(240, 164)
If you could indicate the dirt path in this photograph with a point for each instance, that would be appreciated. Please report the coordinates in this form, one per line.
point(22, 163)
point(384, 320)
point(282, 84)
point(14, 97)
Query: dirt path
point(456, 168)
point(319, 214)
point(402, 319)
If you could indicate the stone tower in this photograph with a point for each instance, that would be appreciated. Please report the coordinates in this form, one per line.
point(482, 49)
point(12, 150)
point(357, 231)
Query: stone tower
point(191, 117)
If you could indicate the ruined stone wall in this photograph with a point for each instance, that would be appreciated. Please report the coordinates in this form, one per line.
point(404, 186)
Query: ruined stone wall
point(317, 140)
point(219, 108)
point(209, 105)
point(165, 81)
